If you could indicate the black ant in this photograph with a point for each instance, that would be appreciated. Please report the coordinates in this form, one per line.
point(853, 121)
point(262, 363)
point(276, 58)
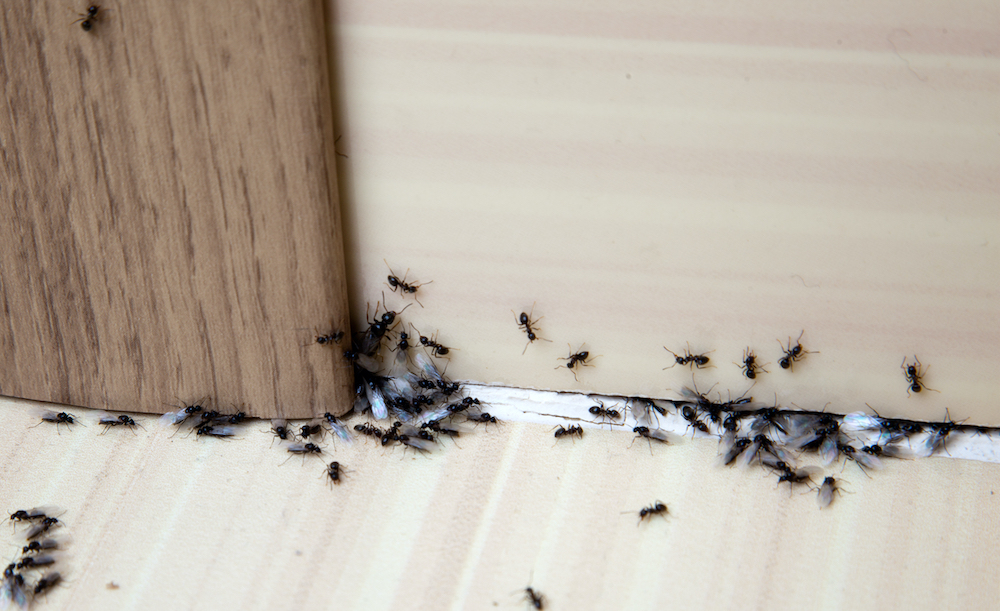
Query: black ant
point(575, 429)
point(392, 433)
point(524, 321)
point(308, 430)
point(280, 429)
point(110, 421)
point(826, 491)
point(914, 373)
point(484, 418)
point(793, 353)
point(234, 419)
point(305, 448)
point(650, 435)
point(691, 415)
point(441, 429)
point(601, 412)
point(798, 476)
point(402, 285)
point(43, 527)
point(58, 418)
point(658, 509)
point(377, 329)
point(46, 582)
point(369, 430)
point(938, 437)
point(37, 546)
point(404, 341)
point(30, 515)
point(697, 360)
point(736, 450)
point(88, 19)
point(30, 562)
point(431, 342)
point(215, 431)
point(333, 472)
point(210, 415)
point(331, 338)
point(750, 366)
point(579, 358)
point(535, 598)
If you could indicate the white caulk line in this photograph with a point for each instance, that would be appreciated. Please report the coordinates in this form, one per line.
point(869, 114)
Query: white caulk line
point(555, 408)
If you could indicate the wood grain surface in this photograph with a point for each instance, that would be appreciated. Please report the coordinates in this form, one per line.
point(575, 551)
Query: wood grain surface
point(168, 208)
point(470, 525)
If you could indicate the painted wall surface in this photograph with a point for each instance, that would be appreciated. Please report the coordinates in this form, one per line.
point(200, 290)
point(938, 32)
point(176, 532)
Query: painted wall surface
point(649, 174)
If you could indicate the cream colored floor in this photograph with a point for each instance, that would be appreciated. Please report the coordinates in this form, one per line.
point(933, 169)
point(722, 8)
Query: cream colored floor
point(207, 524)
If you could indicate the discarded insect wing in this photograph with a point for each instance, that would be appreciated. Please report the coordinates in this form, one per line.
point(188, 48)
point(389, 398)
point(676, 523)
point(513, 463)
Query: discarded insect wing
point(173, 418)
point(380, 410)
point(868, 457)
point(645, 411)
point(897, 451)
point(800, 428)
point(427, 367)
point(829, 450)
point(857, 422)
point(12, 591)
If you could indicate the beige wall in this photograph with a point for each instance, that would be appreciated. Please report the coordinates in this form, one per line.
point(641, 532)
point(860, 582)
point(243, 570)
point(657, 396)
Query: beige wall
point(657, 173)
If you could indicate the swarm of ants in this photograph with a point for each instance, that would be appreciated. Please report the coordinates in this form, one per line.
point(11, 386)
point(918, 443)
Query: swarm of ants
point(399, 384)
point(32, 575)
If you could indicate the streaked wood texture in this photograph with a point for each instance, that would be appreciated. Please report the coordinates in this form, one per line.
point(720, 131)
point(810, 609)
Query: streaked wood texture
point(650, 174)
point(169, 213)
point(470, 526)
